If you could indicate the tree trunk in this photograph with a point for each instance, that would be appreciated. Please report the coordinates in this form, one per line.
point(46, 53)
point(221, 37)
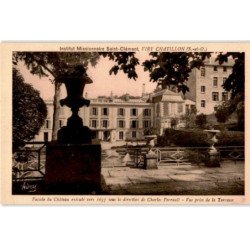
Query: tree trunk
point(56, 112)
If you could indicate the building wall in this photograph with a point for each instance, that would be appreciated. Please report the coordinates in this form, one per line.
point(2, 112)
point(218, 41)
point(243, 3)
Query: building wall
point(111, 119)
point(191, 94)
point(208, 82)
point(198, 79)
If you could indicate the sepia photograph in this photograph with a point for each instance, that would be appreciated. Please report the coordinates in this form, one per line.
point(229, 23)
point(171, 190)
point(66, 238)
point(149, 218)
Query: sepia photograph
point(128, 120)
point(124, 125)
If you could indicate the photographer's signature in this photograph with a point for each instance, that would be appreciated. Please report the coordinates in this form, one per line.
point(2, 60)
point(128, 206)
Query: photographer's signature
point(29, 187)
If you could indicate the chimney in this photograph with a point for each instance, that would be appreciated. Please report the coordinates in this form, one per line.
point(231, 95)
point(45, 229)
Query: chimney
point(111, 96)
point(127, 97)
point(150, 99)
point(143, 90)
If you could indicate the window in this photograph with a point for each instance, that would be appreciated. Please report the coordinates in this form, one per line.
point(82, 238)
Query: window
point(121, 112)
point(203, 72)
point(134, 112)
point(224, 69)
point(172, 108)
point(94, 111)
point(203, 89)
point(133, 134)
point(180, 107)
point(146, 124)
point(134, 124)
point(47, 124)
point(215, 96)
point(224, 96)
point(45, 136)
point(203, 103)
point(121, 123)
point(105, 123)
point(224, 79)
point(215, 108)
point(158, 109)
point(105, 111)
point(60, 123)
point(165, 109)
point(215, 68)
point(215, 81)
point(147, 112)
point(121, 135)
point(94, 123)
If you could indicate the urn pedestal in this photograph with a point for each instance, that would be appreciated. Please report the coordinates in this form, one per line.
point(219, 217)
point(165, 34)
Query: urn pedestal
point(73, 169)
point(150, 160)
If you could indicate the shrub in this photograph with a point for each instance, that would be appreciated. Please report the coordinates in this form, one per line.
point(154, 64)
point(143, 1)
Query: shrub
point(183, 138)
point(195, 138)
point(201, 120)
point(222, 113)
point(231, 138)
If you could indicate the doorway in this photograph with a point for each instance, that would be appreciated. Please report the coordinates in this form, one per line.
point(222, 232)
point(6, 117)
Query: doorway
point(106, 135)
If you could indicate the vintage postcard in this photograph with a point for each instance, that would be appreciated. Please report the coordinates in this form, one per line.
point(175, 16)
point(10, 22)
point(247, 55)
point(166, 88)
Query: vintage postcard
point(125, 123)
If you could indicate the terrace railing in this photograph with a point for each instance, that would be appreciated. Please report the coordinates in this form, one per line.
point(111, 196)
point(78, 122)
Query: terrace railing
point(29, 162)
point(185, 155)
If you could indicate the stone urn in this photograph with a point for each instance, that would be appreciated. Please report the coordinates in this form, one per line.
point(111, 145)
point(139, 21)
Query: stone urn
point(75, 79)
point(150, 140)
point(213, 159)
point(150, 159)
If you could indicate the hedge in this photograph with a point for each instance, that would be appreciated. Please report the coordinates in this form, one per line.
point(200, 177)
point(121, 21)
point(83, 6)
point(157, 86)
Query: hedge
point(198, 138)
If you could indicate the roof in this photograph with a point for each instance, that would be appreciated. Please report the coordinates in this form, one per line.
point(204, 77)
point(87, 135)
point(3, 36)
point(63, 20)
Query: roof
point(130, 101)
point(119, 101)
point(167, 95)
point(190, 102)
point(212, 62)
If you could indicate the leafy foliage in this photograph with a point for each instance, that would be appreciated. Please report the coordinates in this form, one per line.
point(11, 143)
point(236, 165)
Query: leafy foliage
point(231, 138)
point(124, 61)
point(222, 113)
point(201, 120)
point(54, 64)
point(189, 117)
point(183, 138)
point(173, 69)
point(29, 111)
point(195, 138)
point(235, 84)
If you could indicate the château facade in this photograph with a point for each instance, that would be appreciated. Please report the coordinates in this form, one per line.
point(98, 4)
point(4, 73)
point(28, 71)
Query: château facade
point(119, 119)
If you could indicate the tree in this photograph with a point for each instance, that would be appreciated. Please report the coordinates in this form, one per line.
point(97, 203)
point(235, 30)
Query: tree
point(189, 118)
point(173, 69)
point(201, 120)
point(55, 64)
point(29, 111)
point(235, 84)
point(124, 61)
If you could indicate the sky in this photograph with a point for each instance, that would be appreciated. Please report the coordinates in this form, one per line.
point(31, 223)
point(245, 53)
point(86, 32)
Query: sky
point(103, 83)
